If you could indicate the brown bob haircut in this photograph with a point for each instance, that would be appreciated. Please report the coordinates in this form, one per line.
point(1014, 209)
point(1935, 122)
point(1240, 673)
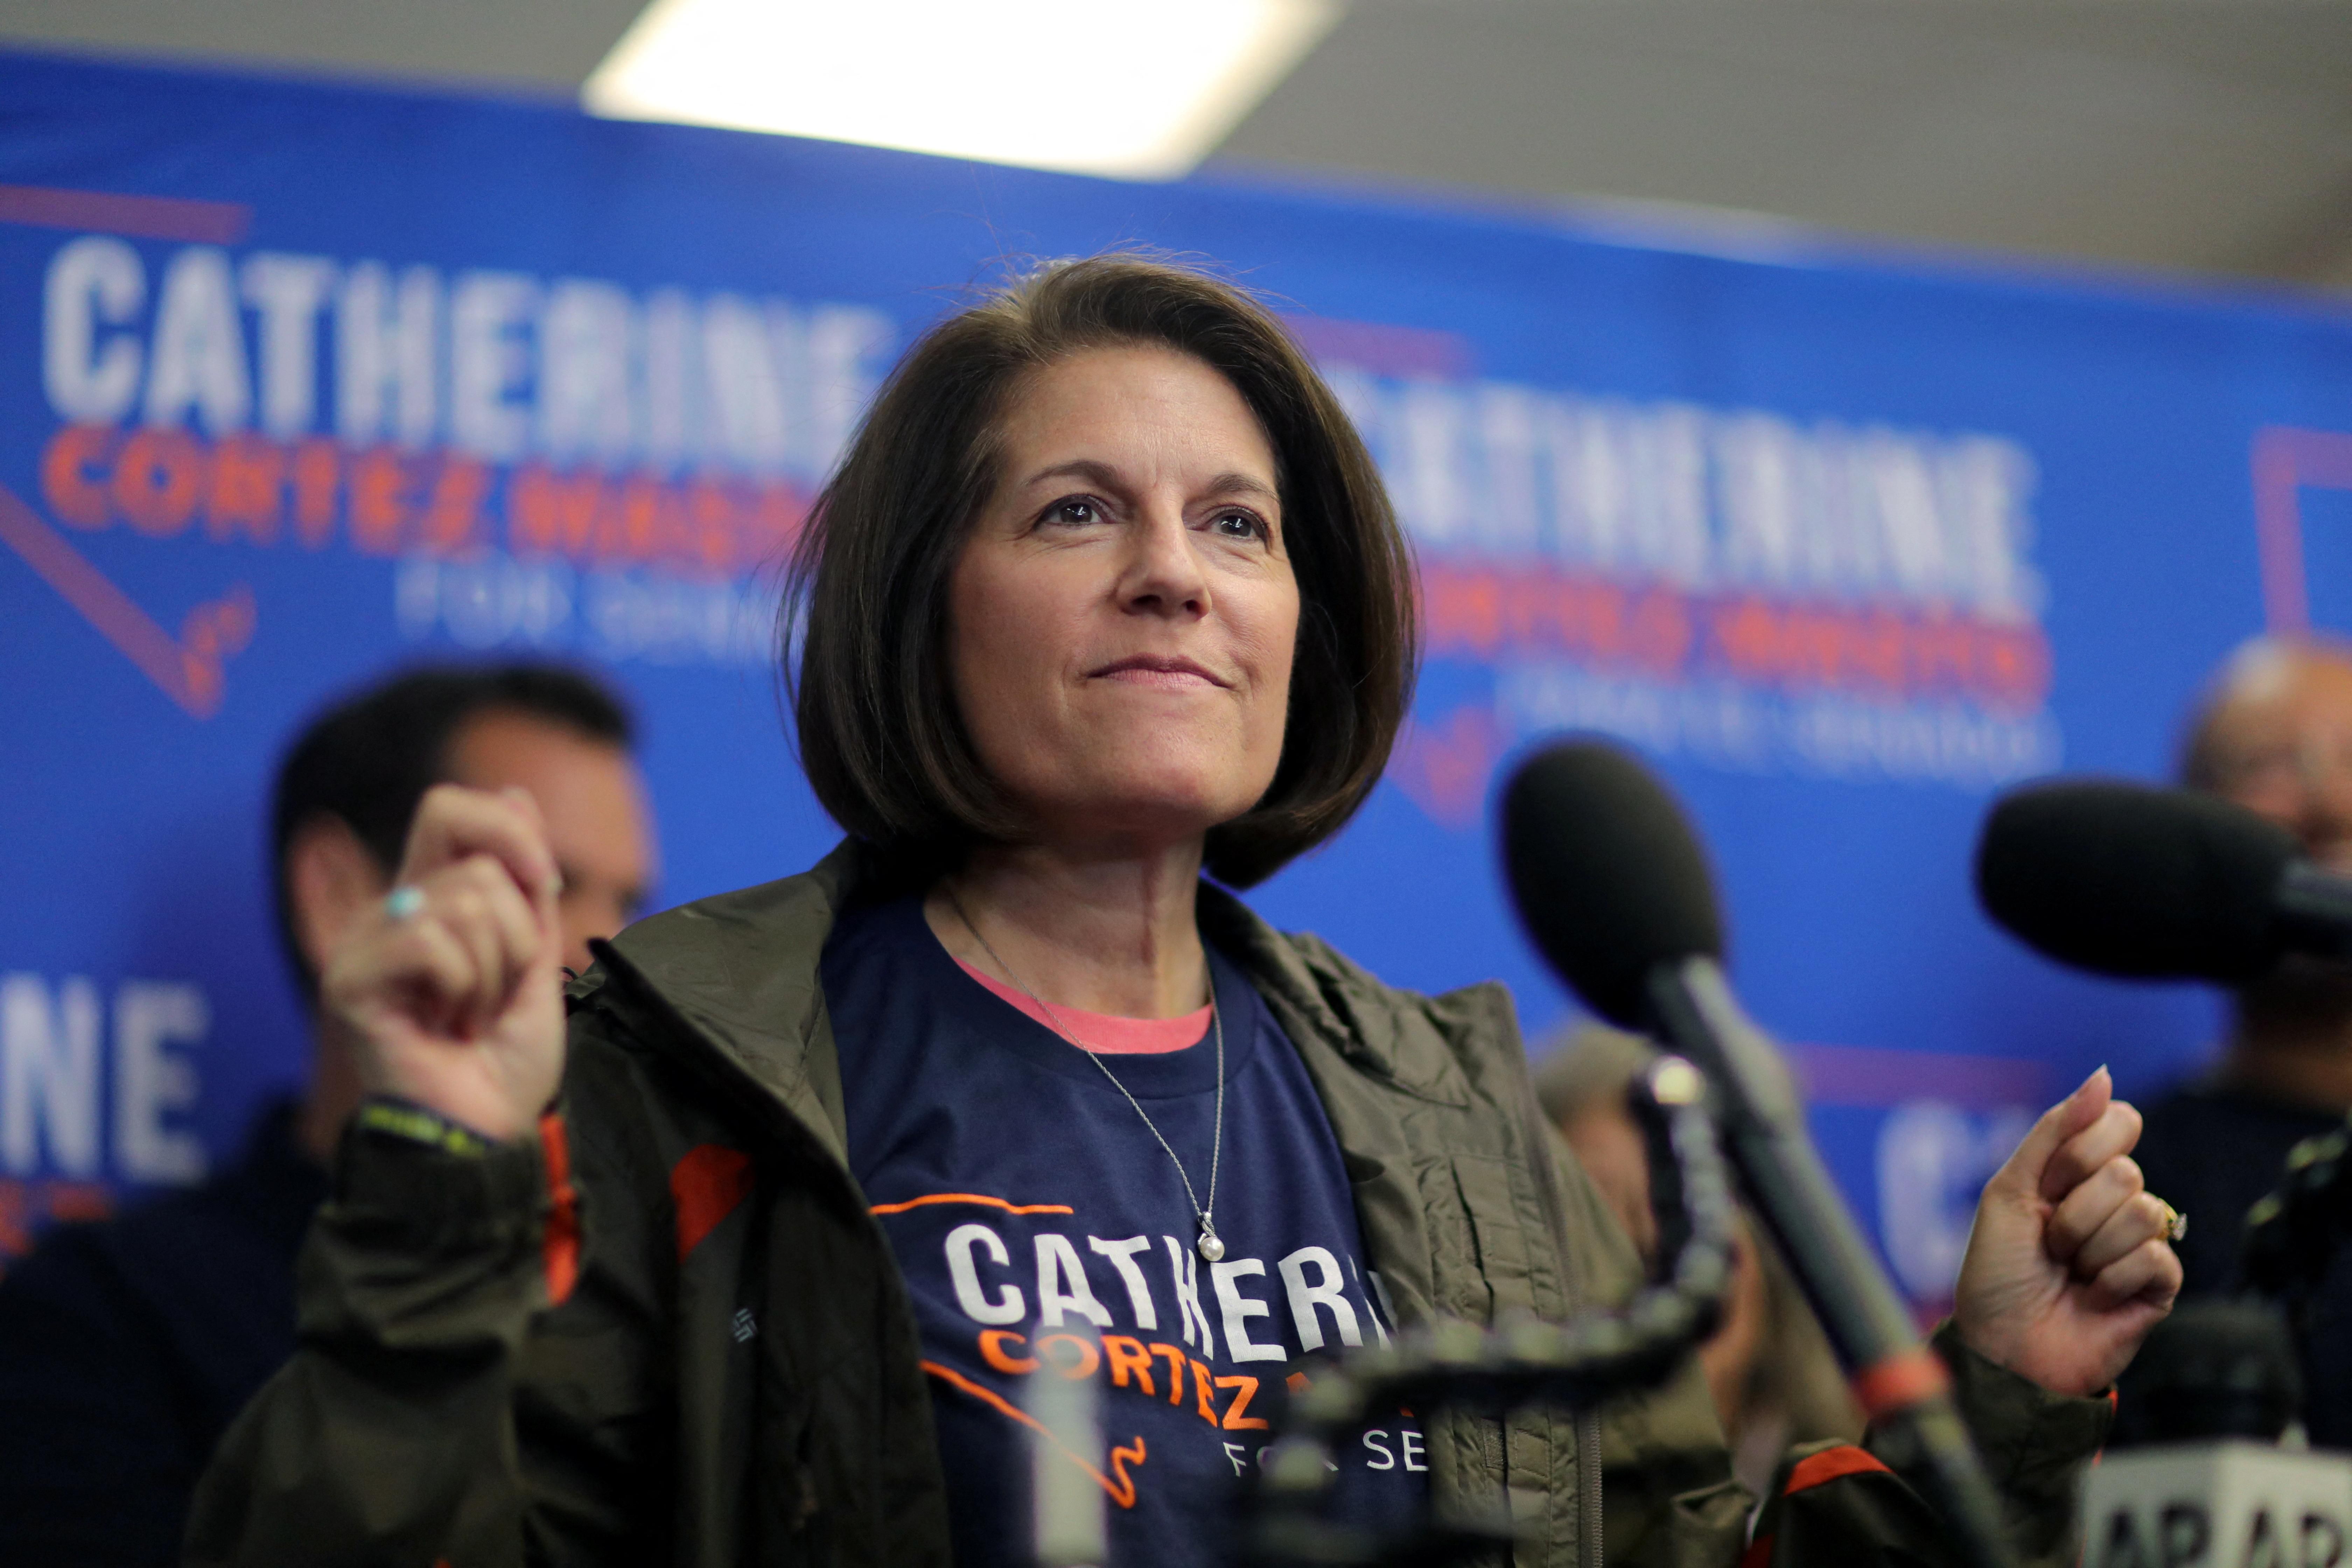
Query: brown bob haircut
point(866, 595)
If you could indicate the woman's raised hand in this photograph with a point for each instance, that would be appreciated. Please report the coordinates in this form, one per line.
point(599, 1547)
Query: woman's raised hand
point(450, 992)
point(2069, 1264)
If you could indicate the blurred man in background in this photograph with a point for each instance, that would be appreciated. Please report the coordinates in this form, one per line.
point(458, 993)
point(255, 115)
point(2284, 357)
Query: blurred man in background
point(126, 1348)
point(2273, 733)
point(1773, 1377)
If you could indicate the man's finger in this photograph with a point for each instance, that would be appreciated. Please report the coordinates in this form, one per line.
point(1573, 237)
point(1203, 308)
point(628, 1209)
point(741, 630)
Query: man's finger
point(2115, 1135)
point(2082, 1212)
point(453, 822)
point(2022, 1174)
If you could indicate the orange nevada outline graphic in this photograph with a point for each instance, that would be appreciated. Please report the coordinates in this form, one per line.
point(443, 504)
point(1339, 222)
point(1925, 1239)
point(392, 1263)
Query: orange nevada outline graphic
point(969, 1198)
point(1122, 1491)
point(190, 668)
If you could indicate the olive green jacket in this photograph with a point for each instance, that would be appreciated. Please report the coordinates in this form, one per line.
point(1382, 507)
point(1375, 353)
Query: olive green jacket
point(672, 1332)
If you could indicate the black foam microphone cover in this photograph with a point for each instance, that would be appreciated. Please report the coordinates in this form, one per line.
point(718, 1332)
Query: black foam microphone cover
point(2215, 1368)
point(1606, 873)
point(2143, 883)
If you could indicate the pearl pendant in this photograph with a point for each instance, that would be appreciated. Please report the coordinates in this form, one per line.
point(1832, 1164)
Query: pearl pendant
point(1209, 1247)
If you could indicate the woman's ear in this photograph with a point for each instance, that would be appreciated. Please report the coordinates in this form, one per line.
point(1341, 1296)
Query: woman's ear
point(331, 877)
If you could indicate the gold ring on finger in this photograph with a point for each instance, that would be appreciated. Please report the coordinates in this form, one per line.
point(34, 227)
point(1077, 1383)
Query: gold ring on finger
point(2176, 1224)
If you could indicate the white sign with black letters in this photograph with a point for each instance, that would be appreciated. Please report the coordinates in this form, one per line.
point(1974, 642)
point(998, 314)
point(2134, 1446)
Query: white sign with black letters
point(2217, 1505)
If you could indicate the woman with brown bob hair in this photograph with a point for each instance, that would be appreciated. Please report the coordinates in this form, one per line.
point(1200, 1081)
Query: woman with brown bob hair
point(880, 738)
point(758, 1259)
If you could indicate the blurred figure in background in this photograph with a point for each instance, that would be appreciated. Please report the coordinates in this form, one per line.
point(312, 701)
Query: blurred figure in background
point(1775, 1380)
point(2273, 733)
point(126, 1348)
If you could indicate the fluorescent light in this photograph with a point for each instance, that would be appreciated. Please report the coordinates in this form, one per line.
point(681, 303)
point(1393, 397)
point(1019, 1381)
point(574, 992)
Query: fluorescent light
point(1142, 89)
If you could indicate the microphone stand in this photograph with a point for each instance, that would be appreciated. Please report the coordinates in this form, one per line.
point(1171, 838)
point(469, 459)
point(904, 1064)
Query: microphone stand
point(2293, 1234)
point(1455, 1364)
point(1900, 1383)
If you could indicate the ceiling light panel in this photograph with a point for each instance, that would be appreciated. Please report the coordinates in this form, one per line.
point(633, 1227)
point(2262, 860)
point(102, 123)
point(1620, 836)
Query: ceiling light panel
point(1140, 88)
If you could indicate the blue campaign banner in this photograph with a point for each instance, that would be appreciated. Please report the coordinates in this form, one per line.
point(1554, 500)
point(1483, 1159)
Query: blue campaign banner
point(299, 381)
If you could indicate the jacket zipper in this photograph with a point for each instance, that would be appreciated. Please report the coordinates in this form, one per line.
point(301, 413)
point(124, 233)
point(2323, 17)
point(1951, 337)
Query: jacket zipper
point(1587, 1476)
point(1589, 1544)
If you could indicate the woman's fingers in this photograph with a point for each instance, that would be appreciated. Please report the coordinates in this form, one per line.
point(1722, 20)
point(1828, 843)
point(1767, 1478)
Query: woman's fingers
point(2114, 1133)
point(480, 865)
point(462, 954)
point(545, 898)
point(468, 939)
point(453, 909)
point(2024, 1175)
point(2082, 1211)
point(477, 904)
point(2148, 1272)
point(455, 824)
point(2135, 1221)
point(414, 965)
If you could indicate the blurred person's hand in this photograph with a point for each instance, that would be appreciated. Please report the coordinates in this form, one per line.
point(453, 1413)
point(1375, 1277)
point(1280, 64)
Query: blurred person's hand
point(451, 993)
point(1609, 1145)
point(2068, 1265)
point(1729, 1355)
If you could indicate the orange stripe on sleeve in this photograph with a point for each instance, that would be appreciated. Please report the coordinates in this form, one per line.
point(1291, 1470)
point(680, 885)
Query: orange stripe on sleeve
point(559, 1243)
point(969, 1198)
point(1830, 1464)
point(1815, 1469)
point(1901, 1381)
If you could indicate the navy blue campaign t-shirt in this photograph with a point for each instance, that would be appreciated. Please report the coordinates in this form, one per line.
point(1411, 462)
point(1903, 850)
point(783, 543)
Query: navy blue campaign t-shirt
point(1044, 1232)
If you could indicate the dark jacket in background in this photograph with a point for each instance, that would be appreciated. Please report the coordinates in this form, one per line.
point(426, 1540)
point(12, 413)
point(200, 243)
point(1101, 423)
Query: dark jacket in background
point(128, 1347)
point(2211, 1151)
point(672, 1332)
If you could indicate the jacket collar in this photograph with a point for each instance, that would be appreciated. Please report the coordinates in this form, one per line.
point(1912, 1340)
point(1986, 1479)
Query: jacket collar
point(741, 969)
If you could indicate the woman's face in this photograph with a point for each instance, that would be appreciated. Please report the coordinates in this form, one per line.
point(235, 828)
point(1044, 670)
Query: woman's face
point(1123, 615)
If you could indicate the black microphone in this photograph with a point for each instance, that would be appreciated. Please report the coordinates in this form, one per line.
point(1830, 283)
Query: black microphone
point(2195, 1469)
point(2142, 883)
point(2213, 1369)
point(1614, 889)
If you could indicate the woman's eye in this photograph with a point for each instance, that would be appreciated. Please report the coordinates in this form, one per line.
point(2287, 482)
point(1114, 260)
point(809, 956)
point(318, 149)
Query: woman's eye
point(1076, 513)
point(1240, 525)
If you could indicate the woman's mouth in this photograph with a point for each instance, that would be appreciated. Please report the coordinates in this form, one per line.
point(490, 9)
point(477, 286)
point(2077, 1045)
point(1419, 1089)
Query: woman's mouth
point(1153, 670)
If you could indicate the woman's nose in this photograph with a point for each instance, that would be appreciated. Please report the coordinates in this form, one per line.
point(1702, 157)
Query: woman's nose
point(1164, 573)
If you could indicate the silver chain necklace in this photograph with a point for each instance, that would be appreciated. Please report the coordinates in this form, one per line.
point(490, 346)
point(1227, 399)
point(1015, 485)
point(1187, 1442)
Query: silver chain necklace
point(1207, 1244)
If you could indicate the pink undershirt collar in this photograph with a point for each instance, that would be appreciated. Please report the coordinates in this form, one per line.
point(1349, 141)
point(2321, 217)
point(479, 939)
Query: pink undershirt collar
point(1101, 1032)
